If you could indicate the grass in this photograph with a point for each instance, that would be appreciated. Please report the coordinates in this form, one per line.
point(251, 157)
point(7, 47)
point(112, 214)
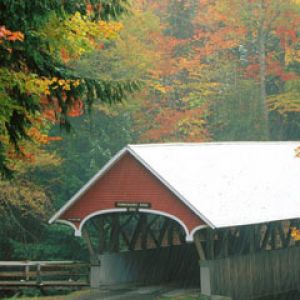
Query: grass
point(79, 294)
point(88, 294)
point(184, 298)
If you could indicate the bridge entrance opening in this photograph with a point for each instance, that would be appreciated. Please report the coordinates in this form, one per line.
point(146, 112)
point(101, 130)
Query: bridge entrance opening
point(141, 248)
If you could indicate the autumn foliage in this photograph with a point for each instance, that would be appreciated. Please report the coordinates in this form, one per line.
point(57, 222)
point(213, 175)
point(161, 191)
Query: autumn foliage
point(207, 50)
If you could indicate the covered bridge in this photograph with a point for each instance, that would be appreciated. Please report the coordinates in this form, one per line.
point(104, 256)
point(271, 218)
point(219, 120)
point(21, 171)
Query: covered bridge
point(231, 206)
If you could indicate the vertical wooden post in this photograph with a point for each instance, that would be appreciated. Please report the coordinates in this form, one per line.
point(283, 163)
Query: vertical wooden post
point(210, 243)
point(266, 238)
point(281, 234)
point(144, 231)
point(163, 231)
point(101, 235)
point(27, 270)
point(199, 246)
point(170, 235)
point(93, 256)
point(94, 259)
point(137, 232)
point(273, 236)
point(251, 232)
point(115, 230)
point(258, 236)
point(225, 242)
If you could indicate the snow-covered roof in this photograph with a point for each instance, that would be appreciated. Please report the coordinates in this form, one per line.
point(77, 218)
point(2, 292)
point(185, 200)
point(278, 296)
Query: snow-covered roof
point(225, 184)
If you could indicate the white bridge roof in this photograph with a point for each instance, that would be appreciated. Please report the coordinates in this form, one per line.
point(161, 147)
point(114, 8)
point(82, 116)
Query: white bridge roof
point(229, 184)
point(225, 184)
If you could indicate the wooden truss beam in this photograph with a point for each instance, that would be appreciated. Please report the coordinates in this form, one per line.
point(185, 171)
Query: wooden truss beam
point(240, 240)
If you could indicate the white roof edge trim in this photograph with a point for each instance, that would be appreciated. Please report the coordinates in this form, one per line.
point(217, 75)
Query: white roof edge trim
point(99, 174)
point(258, 223)
point(205, 144)
point(170, 187)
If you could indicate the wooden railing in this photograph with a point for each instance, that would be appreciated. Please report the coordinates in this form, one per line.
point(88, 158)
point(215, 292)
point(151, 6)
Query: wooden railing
point(43, 273)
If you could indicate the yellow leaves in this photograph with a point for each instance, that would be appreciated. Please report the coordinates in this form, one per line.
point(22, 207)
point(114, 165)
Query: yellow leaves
point(109, 30)
point(61, 82)
point(64, 84)
point(160, 88)
point(24, 196)
point(288, 101)
point(77, 35)
point(295, 234)
point(27, 83)
point(292, 55)
point(284, 103)
point(76, 83)
point(42, 85)
point(88, 30)
point(297, 152)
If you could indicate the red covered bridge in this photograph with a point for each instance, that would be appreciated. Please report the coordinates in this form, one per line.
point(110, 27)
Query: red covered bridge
point(230, 199)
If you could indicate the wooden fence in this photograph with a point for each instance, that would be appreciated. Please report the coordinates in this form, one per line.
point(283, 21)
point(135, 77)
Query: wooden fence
point(43, 273)
point(252, 276)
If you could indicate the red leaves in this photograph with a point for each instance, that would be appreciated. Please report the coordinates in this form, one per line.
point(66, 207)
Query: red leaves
point(77, 109)
point(52, 109)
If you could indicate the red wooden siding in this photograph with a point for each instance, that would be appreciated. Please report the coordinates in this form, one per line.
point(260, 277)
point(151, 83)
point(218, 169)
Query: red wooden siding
point(128, 180)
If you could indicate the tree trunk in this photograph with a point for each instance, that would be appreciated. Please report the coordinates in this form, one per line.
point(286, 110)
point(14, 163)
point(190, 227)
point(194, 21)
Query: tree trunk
point(262, 81)
point(262, 36)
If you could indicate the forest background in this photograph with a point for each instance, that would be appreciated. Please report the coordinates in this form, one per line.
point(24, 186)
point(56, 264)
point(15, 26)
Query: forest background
point(80, 80)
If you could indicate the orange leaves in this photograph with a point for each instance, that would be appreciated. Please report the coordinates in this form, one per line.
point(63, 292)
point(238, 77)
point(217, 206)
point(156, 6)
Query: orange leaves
point(65, 55)
point(10, 35)
point(178, 125)
point(89, 8)
point(37, 136)
point(20, 156)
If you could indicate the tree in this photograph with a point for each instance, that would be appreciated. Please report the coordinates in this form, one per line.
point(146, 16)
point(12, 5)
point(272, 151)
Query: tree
point(247, 37)
point(171, 110)
point(35, 73)
point(264, 23)
point(92, 140)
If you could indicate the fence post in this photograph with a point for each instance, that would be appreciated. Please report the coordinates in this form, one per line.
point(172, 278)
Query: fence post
point(38, 274)
point(27, 269)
